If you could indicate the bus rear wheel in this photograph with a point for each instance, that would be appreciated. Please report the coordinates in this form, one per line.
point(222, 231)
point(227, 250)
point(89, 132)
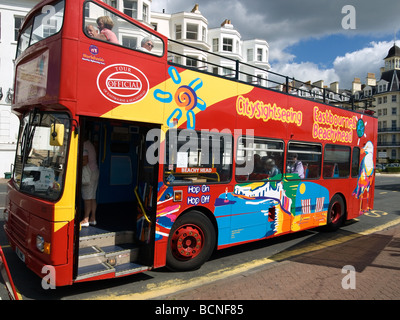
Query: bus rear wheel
point(191, 242)
point(336, 213)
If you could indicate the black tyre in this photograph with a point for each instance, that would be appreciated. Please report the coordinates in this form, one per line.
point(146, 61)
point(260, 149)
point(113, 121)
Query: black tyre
point(336, 213)
point(191, 242)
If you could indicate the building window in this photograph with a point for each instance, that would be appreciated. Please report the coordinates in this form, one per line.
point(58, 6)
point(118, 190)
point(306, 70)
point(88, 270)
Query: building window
point(384, 111)
point(17, 26)
point(113, 3)
point(129, 42)
point(250, 55)
point(227, 44)
point(145, 13)
point(394, 154)
point(215, 45)
point(228, 72)
point(191, 62)
point(379, 100)
point(394, 124)
point(259, 55)
point(384, 99)
point(204, 34)
point(130, 8)
point(259, 79)
point(394, 111)
point(86, 12)
point(192, 31)
point(178, 31)
point(394, 98)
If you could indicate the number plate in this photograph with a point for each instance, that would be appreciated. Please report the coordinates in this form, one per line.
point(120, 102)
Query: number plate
point(19, 254)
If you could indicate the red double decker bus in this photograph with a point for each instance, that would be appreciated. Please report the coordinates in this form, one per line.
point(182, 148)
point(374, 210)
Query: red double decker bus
point(187, 161)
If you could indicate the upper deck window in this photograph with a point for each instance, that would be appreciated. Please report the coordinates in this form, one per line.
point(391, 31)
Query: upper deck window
point(46, 23)
point(104, 25)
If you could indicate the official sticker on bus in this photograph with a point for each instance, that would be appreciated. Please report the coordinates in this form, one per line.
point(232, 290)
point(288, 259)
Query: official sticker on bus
point(122, 84)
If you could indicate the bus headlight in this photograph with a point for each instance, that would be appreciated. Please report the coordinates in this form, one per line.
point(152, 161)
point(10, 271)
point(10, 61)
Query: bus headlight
point(40, 243)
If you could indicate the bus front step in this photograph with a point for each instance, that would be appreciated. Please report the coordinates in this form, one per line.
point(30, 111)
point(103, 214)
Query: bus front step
point(102, 253)
point(113, 255)
point(95, 237)
point(104, 268)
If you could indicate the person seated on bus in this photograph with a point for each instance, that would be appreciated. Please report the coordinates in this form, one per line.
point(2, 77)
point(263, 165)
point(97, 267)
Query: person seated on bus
point(258, 166)
point(295, 166)
point(105, 25)
point(146, 44)
point(270, 168)
point(94, 33)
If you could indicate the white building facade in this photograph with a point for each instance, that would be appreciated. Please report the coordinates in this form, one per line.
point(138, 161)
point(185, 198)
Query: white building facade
point(12, 14)
point(195, 45)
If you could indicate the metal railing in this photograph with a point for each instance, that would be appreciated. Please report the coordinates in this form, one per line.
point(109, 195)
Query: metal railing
point(233, 69)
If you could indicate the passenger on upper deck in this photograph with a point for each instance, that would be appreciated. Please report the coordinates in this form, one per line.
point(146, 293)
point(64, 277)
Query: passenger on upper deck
point(105, 25)
point(147, 44)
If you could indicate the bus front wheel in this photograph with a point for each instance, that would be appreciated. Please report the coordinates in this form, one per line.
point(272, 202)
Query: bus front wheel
point(191, 242)
point(336, 213)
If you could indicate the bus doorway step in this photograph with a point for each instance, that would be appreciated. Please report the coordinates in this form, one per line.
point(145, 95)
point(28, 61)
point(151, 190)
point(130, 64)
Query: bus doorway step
point(108, 252)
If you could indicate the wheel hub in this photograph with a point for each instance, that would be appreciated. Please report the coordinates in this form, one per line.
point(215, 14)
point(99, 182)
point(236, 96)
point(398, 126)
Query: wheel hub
point(187, 242)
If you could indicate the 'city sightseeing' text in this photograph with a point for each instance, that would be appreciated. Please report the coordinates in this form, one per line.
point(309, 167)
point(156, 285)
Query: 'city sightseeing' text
point(259, 110)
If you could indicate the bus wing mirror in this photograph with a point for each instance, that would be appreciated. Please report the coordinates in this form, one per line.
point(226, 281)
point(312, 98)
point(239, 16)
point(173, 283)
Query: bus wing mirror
point(57, 135)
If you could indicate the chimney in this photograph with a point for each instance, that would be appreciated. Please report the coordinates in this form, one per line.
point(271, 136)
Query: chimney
point(319, 84)
point(356, 85)
point(226, 22)
point(371, 81)
point(196, 9)
point(335, 87)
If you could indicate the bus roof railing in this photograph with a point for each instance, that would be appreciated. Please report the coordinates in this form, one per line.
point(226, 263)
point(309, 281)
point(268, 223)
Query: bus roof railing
point(274, 80)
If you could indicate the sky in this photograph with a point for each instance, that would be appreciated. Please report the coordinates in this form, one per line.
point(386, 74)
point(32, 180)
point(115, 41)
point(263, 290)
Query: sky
point(310, 40)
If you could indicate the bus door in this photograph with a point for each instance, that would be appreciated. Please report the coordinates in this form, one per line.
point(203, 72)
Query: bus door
point(118, 162)
point(146, 191)
point(122, 240)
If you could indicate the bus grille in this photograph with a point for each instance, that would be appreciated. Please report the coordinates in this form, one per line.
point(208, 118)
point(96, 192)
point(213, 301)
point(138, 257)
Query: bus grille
point(19, 228)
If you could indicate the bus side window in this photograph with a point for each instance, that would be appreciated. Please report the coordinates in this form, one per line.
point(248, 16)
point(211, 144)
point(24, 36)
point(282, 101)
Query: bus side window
point(355, 162)
point(303, 160)
point(336, 161)
point(197, 157)
point(103, 25)
point(259, 159)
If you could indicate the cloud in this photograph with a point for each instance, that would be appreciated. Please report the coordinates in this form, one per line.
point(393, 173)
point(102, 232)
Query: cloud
point(285, 23)
point(345, 68)
point(306, 71)
point(359, 63)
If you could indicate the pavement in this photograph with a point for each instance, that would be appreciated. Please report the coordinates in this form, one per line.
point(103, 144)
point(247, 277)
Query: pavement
point(366, 267)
